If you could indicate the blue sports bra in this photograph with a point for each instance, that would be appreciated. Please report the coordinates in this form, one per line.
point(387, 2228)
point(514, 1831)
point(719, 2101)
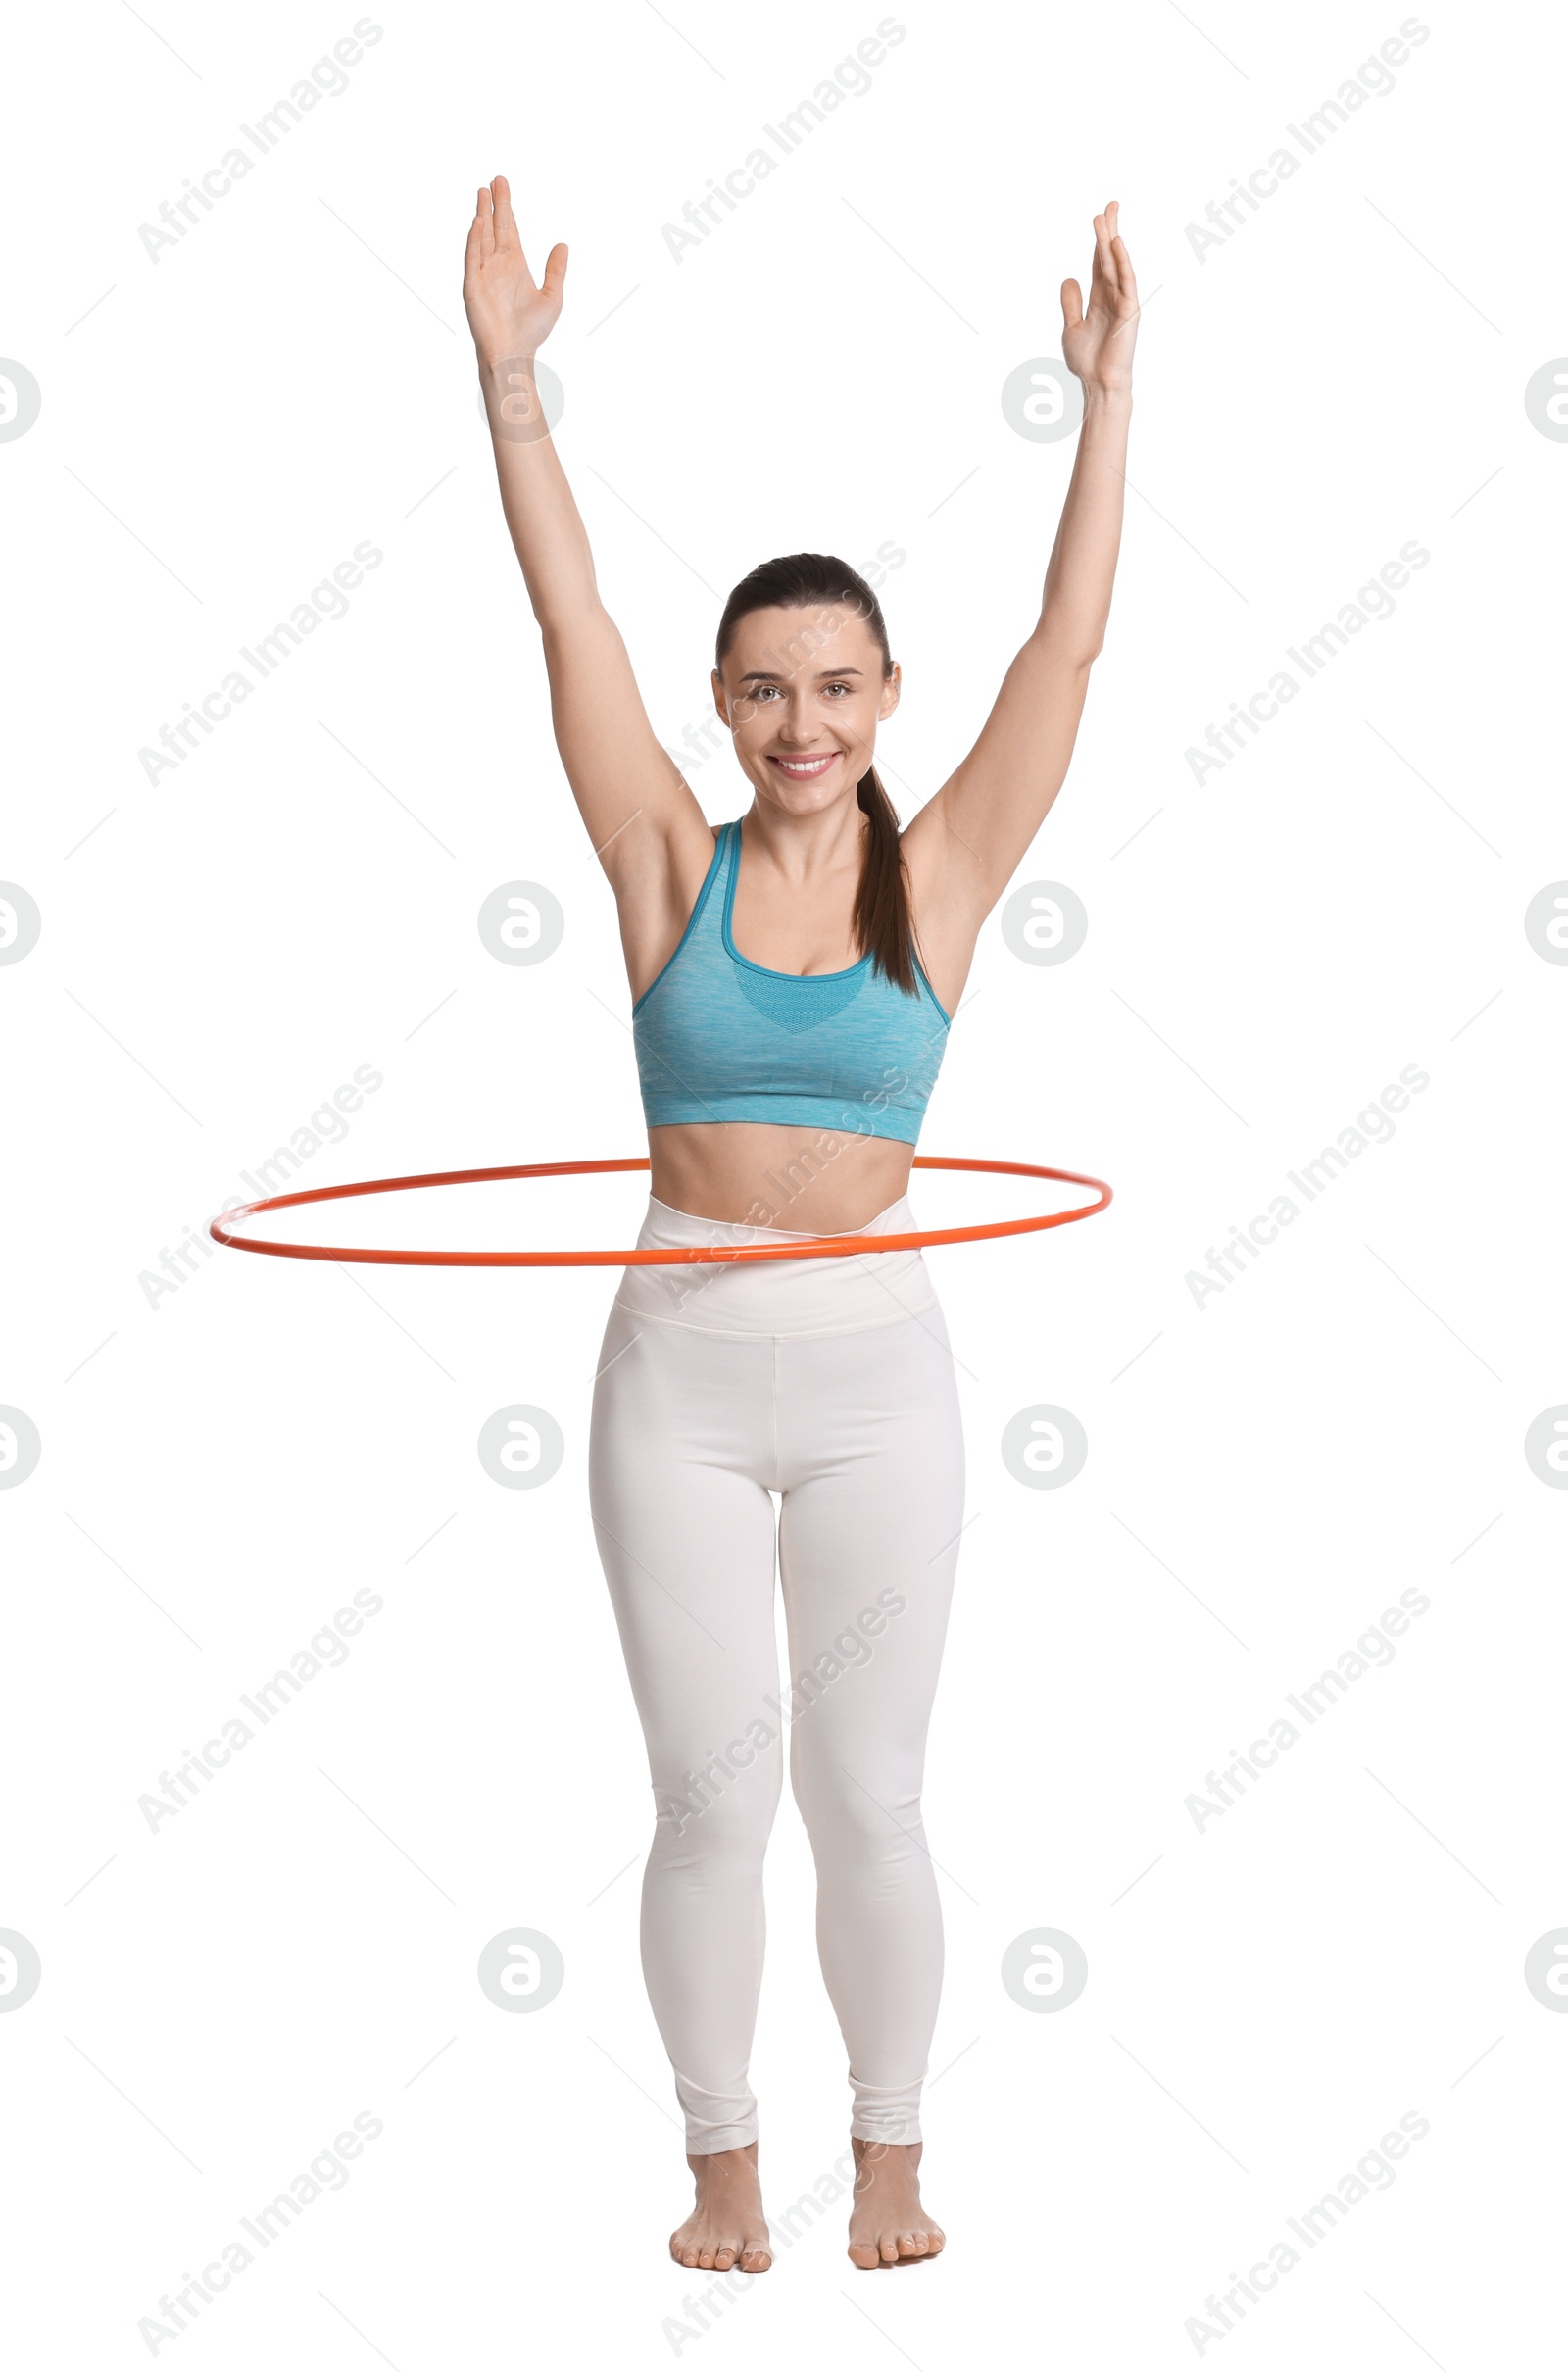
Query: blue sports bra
point(720, 1038)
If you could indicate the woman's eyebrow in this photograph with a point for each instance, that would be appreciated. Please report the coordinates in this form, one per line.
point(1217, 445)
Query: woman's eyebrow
point(823, 674)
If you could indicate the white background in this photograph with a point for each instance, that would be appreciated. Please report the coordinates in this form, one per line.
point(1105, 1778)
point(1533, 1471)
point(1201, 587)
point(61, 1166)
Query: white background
point(223, 1467)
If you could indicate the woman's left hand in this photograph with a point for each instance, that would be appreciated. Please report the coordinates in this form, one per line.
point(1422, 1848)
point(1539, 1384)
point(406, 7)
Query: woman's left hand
point(1097, 343)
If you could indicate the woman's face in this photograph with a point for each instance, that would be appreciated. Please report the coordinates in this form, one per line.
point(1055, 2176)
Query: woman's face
point(803, 693)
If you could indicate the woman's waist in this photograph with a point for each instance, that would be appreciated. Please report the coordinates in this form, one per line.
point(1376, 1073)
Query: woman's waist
point(837, 1293)
point(809, 1181)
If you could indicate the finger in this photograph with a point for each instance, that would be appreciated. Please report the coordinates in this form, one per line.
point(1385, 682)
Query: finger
point(1096, 267)
point(1072, 306)
point(506, 221)
point(1118, 251)
point(555, 280)
point(1105, 261)
point(481, 231)
point(1126, 285)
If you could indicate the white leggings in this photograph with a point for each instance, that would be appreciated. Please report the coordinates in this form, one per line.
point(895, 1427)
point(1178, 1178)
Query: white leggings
point(830, 1382)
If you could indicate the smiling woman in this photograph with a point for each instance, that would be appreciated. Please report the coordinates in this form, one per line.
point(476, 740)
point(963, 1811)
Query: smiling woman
point(794, 972)
point(750, 1104)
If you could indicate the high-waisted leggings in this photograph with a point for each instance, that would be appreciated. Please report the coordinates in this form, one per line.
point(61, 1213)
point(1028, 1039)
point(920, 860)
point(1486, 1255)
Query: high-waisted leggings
point(829, 1382)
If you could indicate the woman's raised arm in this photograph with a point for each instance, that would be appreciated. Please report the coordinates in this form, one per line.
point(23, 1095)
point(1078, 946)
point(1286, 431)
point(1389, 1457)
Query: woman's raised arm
point(965, 844)
point(619, 775)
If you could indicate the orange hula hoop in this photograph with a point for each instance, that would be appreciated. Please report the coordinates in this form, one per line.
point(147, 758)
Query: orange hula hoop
point(824, 1247)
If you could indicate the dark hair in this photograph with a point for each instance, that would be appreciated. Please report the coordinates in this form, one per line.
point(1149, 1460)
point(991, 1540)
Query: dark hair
point(816, 580)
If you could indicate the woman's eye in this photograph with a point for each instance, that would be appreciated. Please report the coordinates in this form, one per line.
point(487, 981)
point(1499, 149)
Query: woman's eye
point(762, 694)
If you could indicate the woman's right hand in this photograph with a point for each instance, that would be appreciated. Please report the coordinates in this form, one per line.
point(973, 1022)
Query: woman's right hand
point(508, 313)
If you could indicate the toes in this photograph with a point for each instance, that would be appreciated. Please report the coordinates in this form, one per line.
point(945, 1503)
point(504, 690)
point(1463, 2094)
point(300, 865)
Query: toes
point(912, 2243)
point(754, 2259)
point(863, 2254)
point(724, 2257)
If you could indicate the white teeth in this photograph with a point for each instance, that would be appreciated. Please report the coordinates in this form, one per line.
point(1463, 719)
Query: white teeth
point(804, 766)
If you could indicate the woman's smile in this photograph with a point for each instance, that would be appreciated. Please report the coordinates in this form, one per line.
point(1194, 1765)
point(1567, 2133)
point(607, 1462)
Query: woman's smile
point(804, 770)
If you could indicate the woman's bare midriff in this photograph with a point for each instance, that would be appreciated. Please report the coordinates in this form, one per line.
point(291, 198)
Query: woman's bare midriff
point(812, 1181)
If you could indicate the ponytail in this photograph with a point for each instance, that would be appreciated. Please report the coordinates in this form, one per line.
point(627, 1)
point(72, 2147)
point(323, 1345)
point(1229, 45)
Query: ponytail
point(882, 902)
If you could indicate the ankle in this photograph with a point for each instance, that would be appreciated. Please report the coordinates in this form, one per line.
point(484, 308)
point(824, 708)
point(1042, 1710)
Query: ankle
point(717, 2163)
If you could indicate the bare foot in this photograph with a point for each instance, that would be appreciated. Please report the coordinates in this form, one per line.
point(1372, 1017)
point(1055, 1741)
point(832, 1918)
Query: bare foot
point(727, 2226)
point(888, 2226)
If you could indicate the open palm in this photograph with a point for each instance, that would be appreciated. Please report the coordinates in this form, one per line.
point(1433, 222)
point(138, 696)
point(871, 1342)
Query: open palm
point(1096, 341)
point(509, 312)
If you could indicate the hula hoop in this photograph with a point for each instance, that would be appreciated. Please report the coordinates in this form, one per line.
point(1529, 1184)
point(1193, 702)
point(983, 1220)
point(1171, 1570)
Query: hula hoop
point(823, 1247)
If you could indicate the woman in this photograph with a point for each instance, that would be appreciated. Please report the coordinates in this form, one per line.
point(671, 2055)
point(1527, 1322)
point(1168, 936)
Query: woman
point(793, 978)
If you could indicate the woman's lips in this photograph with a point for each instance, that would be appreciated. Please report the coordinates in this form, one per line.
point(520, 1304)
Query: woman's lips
point(805, 769)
